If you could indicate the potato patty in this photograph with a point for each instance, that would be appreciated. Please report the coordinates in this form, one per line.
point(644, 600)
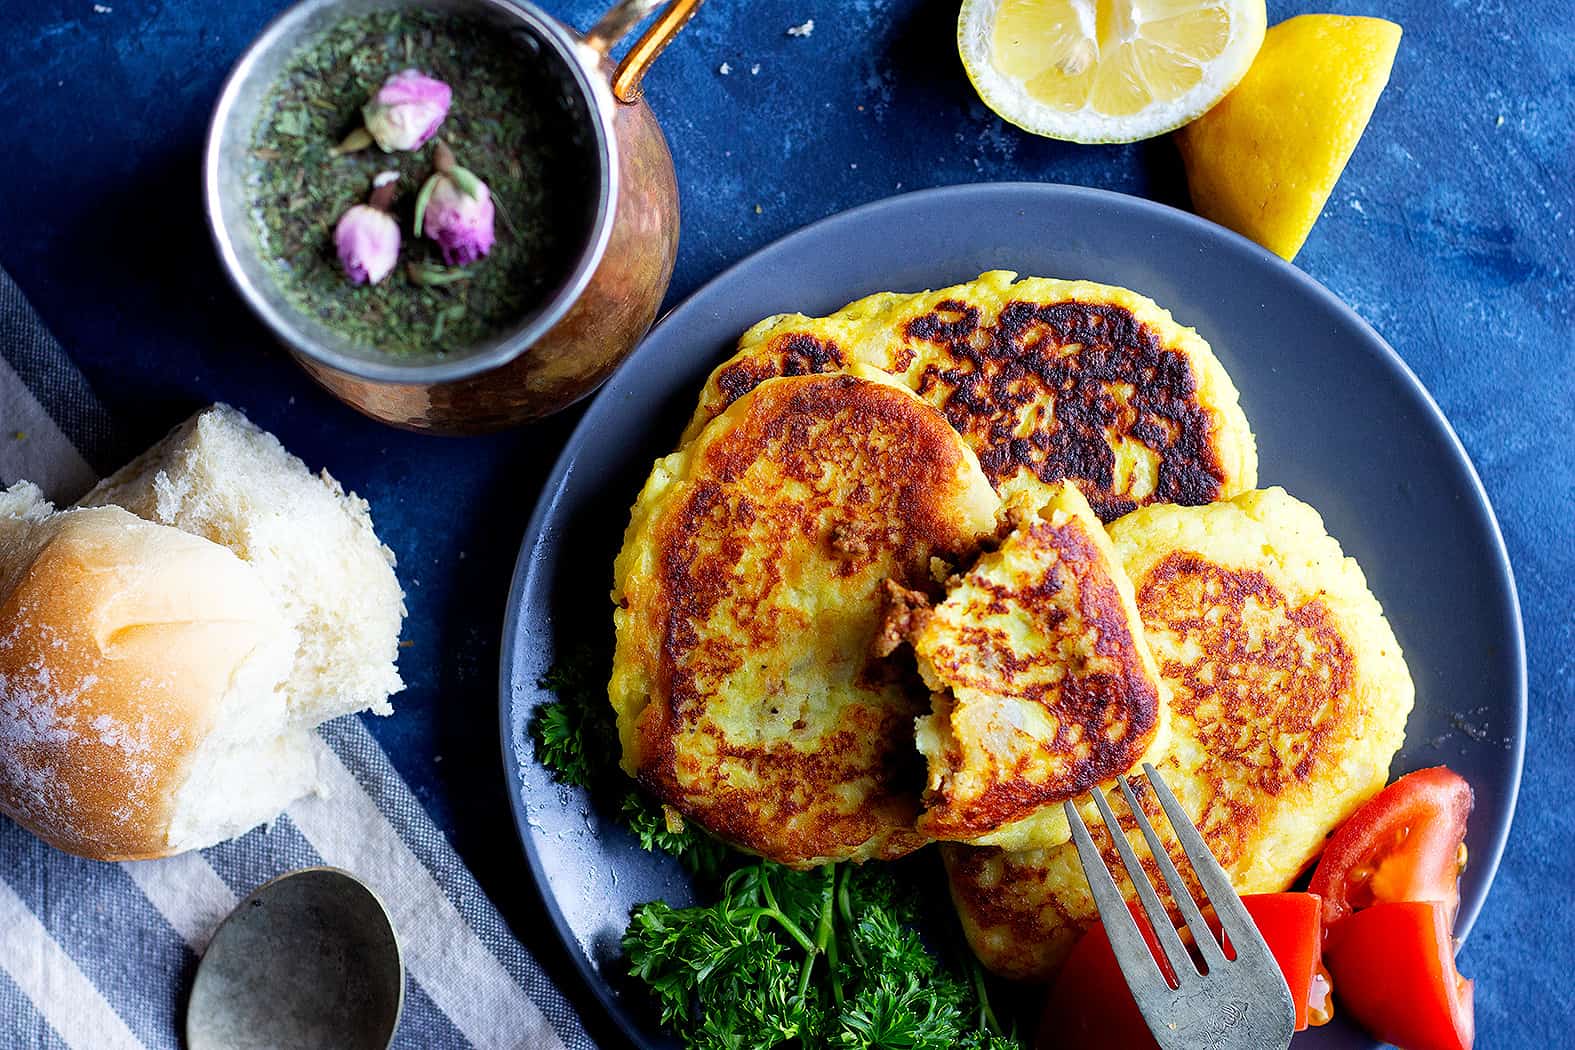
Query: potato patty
point(747, 595)
point(1043, 686)
point(1045, 379)
point(1289, 697)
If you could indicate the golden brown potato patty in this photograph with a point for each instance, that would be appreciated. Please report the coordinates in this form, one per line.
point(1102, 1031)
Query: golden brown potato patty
point(1043, 683)
point(747, 596)
point(1045, 379)
point(1289, 698)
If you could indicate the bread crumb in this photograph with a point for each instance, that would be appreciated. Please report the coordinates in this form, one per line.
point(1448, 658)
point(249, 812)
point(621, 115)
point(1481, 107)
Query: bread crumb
point(802, 30)
point(754, 71)
point(102, 9)
point(724, 69)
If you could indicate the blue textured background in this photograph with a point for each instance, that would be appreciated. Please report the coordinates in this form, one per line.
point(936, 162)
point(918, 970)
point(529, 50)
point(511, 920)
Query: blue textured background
point(1452, 232)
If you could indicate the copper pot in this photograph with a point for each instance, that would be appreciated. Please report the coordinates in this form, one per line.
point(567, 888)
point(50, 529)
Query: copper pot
point(568, 345)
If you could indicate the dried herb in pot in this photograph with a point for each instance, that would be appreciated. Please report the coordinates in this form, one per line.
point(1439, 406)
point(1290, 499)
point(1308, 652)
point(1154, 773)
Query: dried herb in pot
point(509, 123)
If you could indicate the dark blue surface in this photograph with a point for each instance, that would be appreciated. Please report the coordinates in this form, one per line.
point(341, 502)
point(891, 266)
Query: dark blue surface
point(1452, 232)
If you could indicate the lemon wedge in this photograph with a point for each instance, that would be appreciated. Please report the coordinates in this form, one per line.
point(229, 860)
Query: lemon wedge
point(1265, 160)
point(1106, 70)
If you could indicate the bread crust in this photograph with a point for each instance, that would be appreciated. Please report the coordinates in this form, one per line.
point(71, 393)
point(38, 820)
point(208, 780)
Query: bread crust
point(119, 643)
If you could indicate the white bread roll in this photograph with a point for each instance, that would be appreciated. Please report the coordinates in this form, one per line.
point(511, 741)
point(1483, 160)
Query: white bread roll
point(136, 662)
point(220, 477)
point(160, 679)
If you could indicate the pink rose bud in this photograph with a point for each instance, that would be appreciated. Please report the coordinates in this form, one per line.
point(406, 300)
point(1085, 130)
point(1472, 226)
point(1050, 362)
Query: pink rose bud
point(406, 110)
point(367, 237)
point(455, 209)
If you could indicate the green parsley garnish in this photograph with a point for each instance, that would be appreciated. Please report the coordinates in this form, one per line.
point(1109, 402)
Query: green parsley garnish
point(660, 827)
point(828, 958)
point(575, 736)
point(577, 740)
point(825, 958)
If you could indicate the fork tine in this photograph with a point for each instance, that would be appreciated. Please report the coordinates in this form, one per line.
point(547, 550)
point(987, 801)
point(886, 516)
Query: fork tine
point(1131, 951)
point(1232, 914)
point(1202, 936)
point(1158, 918)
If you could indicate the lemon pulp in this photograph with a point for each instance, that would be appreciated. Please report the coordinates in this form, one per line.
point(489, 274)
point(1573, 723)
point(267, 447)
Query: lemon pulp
point(1106, 70)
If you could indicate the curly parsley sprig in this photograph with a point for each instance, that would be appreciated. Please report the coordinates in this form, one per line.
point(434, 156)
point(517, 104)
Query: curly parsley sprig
point(577, 741)
point(825, 958)
point(573, 731)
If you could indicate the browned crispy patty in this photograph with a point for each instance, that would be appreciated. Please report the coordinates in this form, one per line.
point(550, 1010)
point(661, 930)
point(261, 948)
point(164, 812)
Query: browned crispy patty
point(1289, 697)
point(1046, 380)
point(747, 601)
point(1043, 683)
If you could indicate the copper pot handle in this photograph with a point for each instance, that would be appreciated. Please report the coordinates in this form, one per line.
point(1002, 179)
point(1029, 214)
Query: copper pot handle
point(623, 17)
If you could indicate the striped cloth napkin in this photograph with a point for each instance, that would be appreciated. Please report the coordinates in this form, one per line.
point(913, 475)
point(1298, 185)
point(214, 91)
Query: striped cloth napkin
point(100, 956)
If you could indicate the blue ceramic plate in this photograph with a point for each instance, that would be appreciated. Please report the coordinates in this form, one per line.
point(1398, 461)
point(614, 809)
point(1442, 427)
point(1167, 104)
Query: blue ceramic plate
point(1341, 423)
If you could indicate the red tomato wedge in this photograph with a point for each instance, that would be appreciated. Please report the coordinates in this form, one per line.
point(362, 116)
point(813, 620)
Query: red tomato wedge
point(1394, 974)
point(1090, 1004)
point(1405, 844)
point(1292, 924)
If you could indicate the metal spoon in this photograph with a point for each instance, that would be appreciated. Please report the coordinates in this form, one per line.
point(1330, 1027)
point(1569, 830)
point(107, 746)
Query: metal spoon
point(308, 961)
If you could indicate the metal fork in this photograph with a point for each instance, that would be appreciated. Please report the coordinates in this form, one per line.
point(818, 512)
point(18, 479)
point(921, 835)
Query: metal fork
point(1239, 1003)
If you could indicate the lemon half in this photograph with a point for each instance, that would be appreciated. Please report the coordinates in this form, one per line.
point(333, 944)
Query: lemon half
point(1106, 70)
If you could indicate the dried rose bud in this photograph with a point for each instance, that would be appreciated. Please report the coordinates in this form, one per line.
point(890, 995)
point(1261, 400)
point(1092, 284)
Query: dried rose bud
point(455, 209)
point(406, 110)
point(368, 243)
point(367, 237)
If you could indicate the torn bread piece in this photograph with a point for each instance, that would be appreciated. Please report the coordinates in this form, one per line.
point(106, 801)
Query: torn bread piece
point(220, 476)
point(168, 646)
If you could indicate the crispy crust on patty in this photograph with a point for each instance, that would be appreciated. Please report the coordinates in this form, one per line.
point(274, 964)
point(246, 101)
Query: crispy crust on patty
point(1289, 697)
point(1046, 380)
point(748, 597)
point(1043, 683)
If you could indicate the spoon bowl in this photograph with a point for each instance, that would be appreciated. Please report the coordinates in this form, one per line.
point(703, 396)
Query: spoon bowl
point(308, 961)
